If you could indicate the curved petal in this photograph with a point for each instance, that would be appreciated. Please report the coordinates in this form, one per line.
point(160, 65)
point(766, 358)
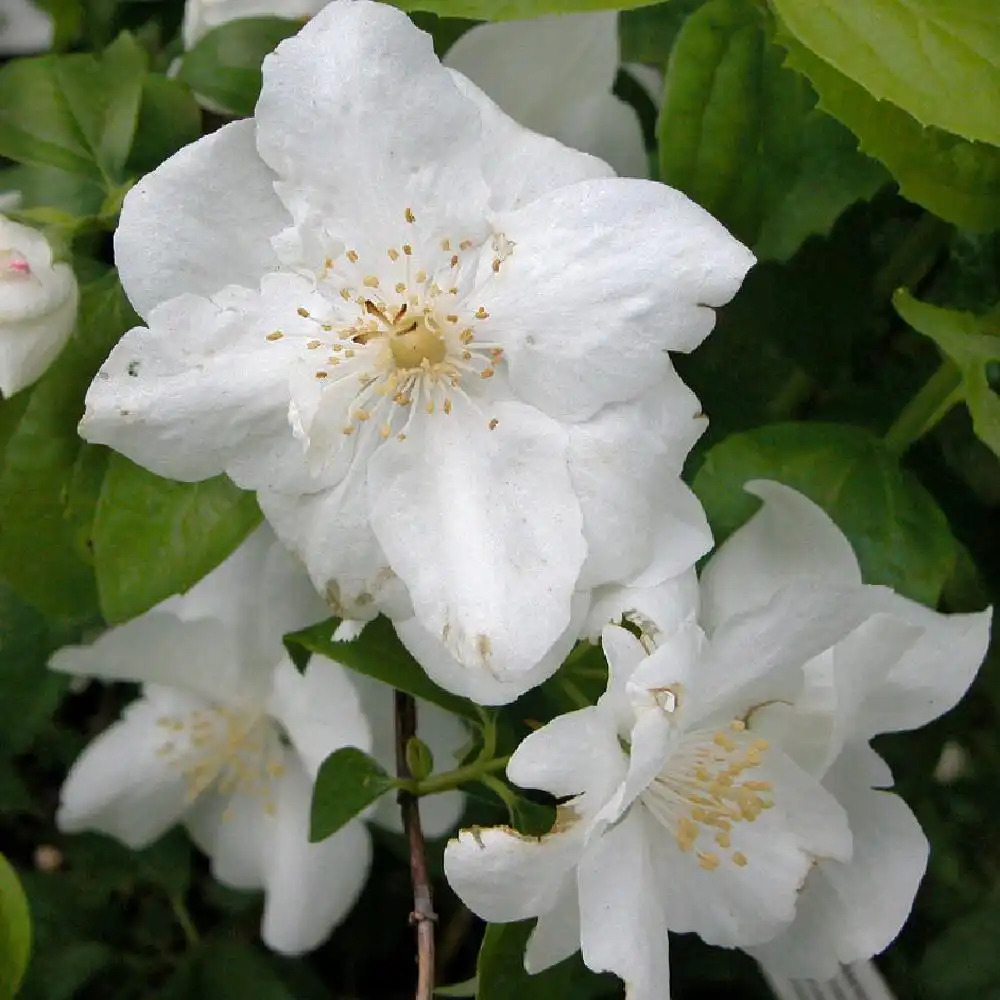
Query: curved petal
point(554, 75)
point(655, 609)
point(204, 391)
point(310, 887)
point(26, 28)
point(329, 531)
point(502, 875)
point(159, 648)
point(520, 165)
point(320, 710)
point(932, 675)
point(122, 784)
point(482, 687)
point(362, 122)
point(556, 935)
point(625, 463)
point(176, 233)
point(28, 346)
point(743, 890)
point(605, 277)
point(623, 928)
point(445, 735)
point(853, 910)
point(448, 506)
point(574, 753)
point(233, 831)
point(788, 539)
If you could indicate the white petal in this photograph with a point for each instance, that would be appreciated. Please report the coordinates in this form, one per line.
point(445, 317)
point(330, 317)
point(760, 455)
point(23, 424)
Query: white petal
point(623, 928)
point(520, 165)
point(445, 735)
point(574, 753)
point(656, 609)
point(554, 75)
point(310, 887)
point(502, 875)
point(789, 538)
point(233, 832)
point(853, 910)
point(605, 277)
point(482, 687)
point(122, 785)
point(360, 119)
point(733, 905)
point(28, 346)
point(320, 710)
point(158, 648)
point(25, 28)
point(642, 524)
point(329, 531)
point(203, 391)
point(933, 674)
point(556, 934)
point(176, 233)
point(448, 507)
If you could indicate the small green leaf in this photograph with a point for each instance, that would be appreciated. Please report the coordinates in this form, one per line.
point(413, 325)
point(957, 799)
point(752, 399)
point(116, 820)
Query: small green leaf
point(938, 60)
point(898, 532)
point(49, 478)
point(419, 758)
point(741, 135)
point(348, 781)
point(154, 537)
point(500, 970)
point(15, 931)
point(378, 653)
point(972, 343)
point(224, 66)
point(169, 118)
point(952, 177)
point(77, 113)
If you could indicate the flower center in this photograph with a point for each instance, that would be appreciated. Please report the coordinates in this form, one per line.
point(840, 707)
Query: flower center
point(415, 344)
point(233, 749)
point(702, 793)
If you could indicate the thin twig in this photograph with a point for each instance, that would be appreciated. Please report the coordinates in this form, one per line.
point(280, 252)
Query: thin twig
point(423, 915)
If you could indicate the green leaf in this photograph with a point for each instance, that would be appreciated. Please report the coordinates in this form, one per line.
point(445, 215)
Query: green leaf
point(741, 135)
point(972, 343)
point(15, 931)
point(348, 781)
point(952, 177)
point(500, 970)
point(154, 537)
point(647, 34)
point(964, 961)
point(77, 113)
point(224, 66)
point(938, 60)
point(169, 118)
point(510, 10)
point(50, 478)
point(464, 989)
point(233, 969)
point(378, 653)
point(898, 532)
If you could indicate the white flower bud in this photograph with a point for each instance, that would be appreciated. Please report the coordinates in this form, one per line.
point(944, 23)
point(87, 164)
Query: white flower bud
point(38, 302)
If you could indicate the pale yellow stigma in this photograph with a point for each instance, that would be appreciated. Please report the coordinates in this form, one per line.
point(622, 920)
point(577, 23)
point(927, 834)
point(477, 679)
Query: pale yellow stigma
point(416, 344)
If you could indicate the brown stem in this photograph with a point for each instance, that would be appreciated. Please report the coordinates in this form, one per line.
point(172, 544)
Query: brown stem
point(423, 915)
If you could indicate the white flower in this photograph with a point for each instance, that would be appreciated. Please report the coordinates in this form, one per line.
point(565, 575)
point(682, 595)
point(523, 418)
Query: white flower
point(227, 737)
point(24, 28)
point(201, 16)
point(554, 75)
point(413, 327)
point(38, 302)
point(722, 773)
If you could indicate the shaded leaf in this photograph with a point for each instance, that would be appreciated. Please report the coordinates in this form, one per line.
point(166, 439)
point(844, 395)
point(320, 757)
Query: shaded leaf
point(349, 781)
point(898, 532)
point(15, 931)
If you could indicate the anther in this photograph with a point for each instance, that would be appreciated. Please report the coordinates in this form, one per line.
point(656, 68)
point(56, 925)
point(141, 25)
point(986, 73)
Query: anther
point(303, 312)
point(481, 313)
point(352, 256)
point(277, 335)
point(393, 253)
point(410, 217)
point(370, 281)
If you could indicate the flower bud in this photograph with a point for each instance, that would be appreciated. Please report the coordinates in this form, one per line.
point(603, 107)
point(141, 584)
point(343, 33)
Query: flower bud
point(38, 301)
point(419, 758)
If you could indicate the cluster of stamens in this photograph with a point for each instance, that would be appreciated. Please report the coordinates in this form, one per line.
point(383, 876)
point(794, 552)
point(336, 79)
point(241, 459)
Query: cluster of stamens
point(703, 792)
point(414, 342)
point(235, 750)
